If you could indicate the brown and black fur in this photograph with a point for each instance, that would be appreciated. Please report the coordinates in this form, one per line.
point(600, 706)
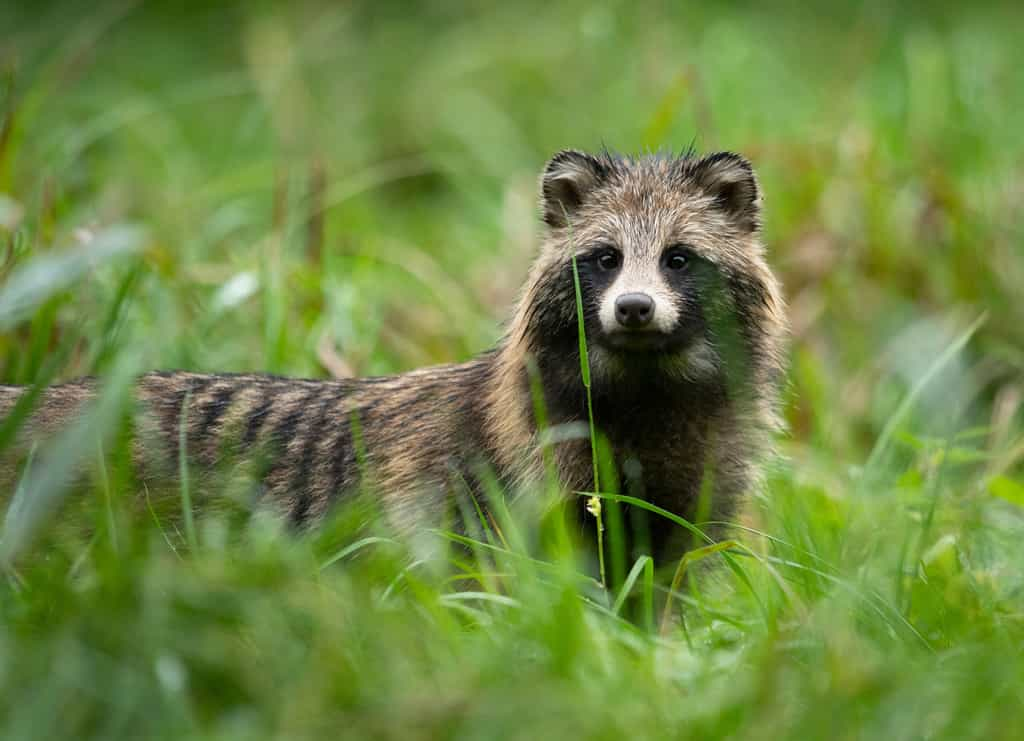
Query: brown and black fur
point(694, 399)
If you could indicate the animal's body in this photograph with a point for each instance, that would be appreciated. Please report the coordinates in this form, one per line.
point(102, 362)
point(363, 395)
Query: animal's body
point(685, 328)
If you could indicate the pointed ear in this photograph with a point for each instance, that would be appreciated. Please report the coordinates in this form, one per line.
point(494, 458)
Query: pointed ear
point(730, 180)
point(568, 178)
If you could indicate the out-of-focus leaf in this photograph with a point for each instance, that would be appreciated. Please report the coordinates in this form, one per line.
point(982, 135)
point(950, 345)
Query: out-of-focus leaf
point(32, 283)
point(54, 469)
point(11, 212)
point(237, 289)
point(1008, 489)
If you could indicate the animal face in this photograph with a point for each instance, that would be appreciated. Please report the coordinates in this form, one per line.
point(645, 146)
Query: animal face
point(642, 298)
point(668, 253)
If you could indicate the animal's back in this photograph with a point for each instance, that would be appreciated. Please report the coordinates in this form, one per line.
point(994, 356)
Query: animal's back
point(300, 444)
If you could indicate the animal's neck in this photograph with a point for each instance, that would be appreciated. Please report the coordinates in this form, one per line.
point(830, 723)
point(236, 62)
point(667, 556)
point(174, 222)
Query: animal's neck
point(626, 397)
point(628, 409)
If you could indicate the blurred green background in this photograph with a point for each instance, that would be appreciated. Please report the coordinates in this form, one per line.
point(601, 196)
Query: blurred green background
point(350, 188)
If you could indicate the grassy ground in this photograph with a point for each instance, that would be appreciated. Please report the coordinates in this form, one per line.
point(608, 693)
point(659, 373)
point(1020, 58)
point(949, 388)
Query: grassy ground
point(328, 189)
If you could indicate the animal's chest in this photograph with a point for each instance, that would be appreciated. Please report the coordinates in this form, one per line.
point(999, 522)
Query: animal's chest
point(660, 437)
point(662, 458)
point(659, 454)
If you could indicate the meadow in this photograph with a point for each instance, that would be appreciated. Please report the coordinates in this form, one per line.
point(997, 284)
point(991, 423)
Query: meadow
point(316, 189)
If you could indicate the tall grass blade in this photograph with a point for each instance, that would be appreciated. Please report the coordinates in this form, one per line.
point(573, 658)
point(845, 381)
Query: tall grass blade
point(884, 440)
point(184, 482)
point(594, 503)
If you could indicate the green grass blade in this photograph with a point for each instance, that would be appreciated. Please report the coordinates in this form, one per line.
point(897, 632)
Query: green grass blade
point(355, 547)
point(643, 565)
point(884, 440)
point(184, 483)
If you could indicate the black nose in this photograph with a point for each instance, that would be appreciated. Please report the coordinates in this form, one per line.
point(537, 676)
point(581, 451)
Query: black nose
point(634, 310)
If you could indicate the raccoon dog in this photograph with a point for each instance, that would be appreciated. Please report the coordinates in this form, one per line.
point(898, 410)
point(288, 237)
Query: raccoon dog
point(685, 327)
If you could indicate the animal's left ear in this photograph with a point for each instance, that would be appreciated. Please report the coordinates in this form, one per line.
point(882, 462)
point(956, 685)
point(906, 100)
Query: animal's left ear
point(730, 180)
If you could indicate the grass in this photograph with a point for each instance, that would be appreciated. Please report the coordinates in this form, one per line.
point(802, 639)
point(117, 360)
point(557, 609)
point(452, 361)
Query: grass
point(314, 188)
point(594, 501)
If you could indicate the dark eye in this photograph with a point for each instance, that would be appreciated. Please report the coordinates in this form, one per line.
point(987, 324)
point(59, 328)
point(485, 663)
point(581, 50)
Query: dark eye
point(677, 259)
point(609, 259)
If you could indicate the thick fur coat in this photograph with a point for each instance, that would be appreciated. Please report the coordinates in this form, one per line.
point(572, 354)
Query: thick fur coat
point(685, 326)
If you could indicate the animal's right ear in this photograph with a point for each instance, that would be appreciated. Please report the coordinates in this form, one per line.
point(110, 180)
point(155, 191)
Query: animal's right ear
point(568, 177)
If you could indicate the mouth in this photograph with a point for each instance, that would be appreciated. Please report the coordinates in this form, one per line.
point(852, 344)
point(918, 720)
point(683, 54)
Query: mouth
point(639, 341)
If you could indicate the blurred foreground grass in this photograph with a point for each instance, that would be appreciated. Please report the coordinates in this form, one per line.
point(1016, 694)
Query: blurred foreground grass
point(319, 189)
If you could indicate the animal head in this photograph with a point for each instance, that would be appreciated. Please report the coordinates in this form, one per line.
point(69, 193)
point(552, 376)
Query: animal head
point(672, 273)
